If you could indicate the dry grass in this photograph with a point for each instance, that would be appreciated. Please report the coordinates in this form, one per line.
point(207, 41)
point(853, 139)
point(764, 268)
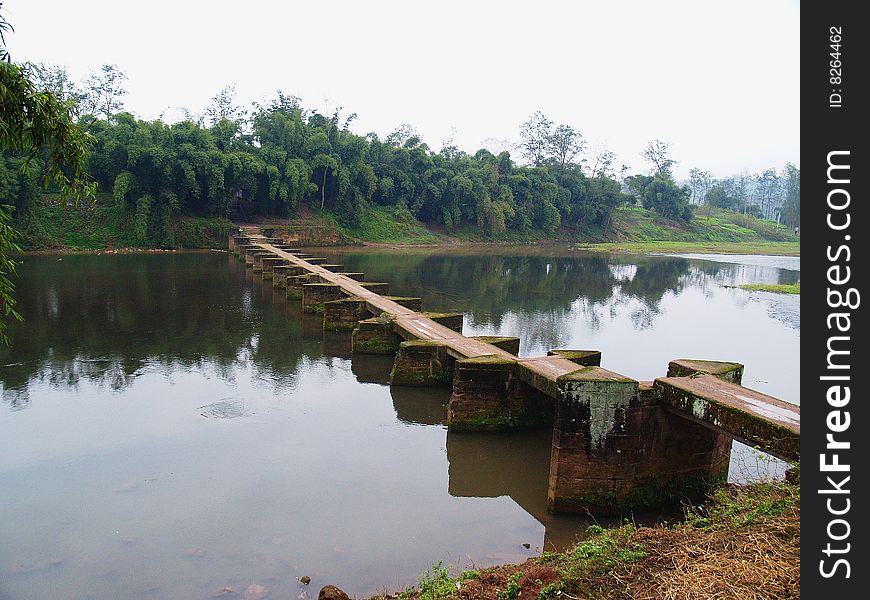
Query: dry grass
point(743, 544)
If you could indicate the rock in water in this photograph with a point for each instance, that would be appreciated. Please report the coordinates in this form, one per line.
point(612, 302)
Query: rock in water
point(330, 592)
point(305, 579)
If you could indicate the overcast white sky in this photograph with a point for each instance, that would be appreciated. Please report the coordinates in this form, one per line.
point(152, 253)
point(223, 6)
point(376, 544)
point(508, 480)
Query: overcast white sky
point(718, 80)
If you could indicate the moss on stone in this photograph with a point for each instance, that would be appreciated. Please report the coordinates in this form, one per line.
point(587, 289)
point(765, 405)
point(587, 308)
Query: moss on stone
point(500, 421)
point(650, 493)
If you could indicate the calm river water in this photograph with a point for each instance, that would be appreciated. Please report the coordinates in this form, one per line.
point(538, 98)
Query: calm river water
point(170, 427)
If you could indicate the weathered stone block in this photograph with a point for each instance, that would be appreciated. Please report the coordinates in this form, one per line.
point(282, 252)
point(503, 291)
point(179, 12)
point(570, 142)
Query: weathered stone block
point(422, 363)
point(726, 371)
point(749, 416)
point(586, 358)
point(333, 268)
point(415, 304)
point(315, 261)
point(377, 287)
point(344, 314)
point(616, 450)
point(487, 396)
point(508, 344)
point(294, 285)
point(450, 320)
point(257, 259)
point(314, 295)
point(375, 336)
point(354, 276)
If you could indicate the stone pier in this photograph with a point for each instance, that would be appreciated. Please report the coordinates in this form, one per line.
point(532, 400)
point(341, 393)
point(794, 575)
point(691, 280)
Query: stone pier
point(453, 321)
point(344, 314)
point(506, 343)
point(375, 336)
point(377, 287)
point(415, 304)
point(422, 363)
point(617, 450)
point(488, 396)
point(294, 285)
point(314, 295)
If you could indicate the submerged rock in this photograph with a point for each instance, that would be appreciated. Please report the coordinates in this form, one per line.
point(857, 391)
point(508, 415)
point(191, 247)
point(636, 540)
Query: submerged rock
point(330, 592)
point(255, 591)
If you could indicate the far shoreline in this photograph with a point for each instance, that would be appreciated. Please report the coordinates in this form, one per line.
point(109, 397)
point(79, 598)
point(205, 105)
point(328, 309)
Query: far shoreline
point(647, 248)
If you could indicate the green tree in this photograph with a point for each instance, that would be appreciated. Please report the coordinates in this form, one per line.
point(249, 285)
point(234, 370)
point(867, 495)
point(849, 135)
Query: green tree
point(534, 135)
point(34, 121)
point(667, 198)
point(791, 208)
point(103, 92)
point(658, 153)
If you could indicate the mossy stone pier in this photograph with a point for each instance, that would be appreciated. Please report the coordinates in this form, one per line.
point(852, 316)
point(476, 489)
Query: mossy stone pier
point(619, 445)
point(616, 450)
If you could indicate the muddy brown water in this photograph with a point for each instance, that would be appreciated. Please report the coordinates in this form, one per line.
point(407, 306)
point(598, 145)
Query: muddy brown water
point(171, 427)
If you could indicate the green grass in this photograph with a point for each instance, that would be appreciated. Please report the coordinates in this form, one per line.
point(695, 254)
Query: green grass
point(699, 247)
point(46, 225)
point(386, 225)
point(636, 224)
point(793, 288)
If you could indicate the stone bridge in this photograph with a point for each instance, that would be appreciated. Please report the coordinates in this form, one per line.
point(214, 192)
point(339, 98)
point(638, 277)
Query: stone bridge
point(619, 444)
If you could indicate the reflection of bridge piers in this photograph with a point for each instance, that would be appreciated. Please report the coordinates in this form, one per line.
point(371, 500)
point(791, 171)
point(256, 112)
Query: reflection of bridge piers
point(618, 445)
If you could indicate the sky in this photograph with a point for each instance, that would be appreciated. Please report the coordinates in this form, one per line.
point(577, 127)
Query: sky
point(719, 81)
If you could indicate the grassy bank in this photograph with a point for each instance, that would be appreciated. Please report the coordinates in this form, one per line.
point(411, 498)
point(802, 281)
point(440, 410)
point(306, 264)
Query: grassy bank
point(46, 225)
point(743, 543)
point(669, 247)
point(793, 288)
point(102, 224)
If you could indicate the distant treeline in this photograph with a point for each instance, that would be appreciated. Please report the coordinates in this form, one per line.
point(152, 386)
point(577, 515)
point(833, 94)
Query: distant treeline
point(279, 158)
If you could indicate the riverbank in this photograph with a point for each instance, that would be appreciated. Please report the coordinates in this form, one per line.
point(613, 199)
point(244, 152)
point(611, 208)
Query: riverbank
point(45, 225)
point(767, 248)
point(743, 543)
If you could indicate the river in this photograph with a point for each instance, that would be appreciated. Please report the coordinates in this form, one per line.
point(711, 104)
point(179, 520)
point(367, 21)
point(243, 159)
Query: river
point(170, 427)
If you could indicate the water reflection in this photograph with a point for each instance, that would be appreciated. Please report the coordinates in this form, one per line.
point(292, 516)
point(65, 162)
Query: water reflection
point(184, 404)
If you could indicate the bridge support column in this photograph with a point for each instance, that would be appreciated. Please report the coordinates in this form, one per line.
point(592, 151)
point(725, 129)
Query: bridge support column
point(415, 304)
point(584, 358)
point(344, 314)
point(508, 344)
point(422, 363)
point(314, 295)
point(487, 396)
point(617, 450)
point(354, 276)
point(375, 336)
point(726, 371)
point(380, 288)
point(450, 320)
point(295, 283)
point(269, 264)
point(257, 260)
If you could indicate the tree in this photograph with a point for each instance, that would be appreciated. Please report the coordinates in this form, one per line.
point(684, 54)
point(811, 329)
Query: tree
point(720, 196)
point(31, 121)
point(668, 199)
point(657, 152)
point(104, 91)
point(791, 208)
point(535, 135)
point(564, 144)
point(223, 107)
point(700, 182)
point(767, 189)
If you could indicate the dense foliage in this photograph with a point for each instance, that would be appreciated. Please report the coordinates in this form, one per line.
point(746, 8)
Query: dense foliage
point(33, 122)
point(287, 158)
